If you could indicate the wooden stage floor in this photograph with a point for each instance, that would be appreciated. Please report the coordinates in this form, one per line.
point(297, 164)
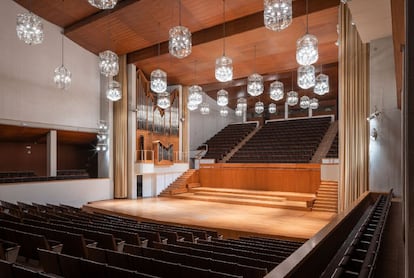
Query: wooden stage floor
point(229, 219)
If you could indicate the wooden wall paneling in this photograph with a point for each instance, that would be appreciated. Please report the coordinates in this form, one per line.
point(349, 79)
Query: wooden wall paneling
point(274, 177)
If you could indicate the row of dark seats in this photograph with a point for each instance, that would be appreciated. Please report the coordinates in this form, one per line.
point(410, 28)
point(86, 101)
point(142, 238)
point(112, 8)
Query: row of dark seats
point(17, 177)
point(357, 256)
point(16, 174)
point(177, 251)
point(12, 270)
point(334, 149)
point(276, 139)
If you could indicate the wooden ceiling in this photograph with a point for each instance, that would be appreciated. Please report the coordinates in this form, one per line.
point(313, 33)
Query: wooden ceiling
point(137, 27)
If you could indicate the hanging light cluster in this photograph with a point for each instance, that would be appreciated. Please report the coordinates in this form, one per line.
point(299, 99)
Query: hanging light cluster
point(158, 81)
point(108, 63)
point(321, 84)
point(29, 28)
point(103, 4)
point(276, 90)
point(180, 44)
point(306, 76)
point(259, 107)
point(224, 65)
point(277, 14)
point(224, 112)
point(304, 102)
point(204, 108)
point(102, 137)
point(272, 108)
point(62, 76)
point(114, 93)
point(163, 100)
point(292, 98)
point(222, 97)
point(314, 103)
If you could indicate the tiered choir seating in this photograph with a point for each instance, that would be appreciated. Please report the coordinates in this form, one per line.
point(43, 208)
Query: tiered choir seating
point(333, 150)
point(226, 139)
point(291, 141)
point(88, 246)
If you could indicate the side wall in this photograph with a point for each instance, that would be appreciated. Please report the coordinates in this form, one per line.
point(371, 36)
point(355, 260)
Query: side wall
point(27, 92)
point(203, 127)
point(385, 152)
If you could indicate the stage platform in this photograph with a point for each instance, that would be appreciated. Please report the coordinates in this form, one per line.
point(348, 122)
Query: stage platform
point(231, 220)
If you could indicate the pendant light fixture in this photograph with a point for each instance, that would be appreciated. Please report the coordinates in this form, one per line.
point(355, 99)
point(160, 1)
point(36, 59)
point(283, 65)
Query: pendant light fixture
point(292, 96)
point(204, 108)
point(307, 46)
point(238, 112)
point(163, 100)
point(314, 103)
point(108, 60)
point(224, 64)
point(242, 104)
point(272, 108)
point(180, 43)
point(222, 97)
point(29, 28)
point(276, 90)
point(306, 76)
point(277, 14)
point(192, 106)
point(224, 112)
point(304, 102)
point(62, 76)
point(195, 92)
point(158, 78)
point(259, 107)
point(103, 4)
point(255, 85)
point(114, 93)
point(321, 84)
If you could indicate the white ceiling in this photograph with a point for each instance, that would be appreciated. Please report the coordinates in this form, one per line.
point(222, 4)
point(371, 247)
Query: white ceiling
point(372, 18)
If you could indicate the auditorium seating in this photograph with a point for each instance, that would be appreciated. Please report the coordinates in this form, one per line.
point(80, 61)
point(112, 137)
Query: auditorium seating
point(289, 141)
point(226, 139)
point(333, 150)
point(170, 250)
point(30, 176)
point(358, 254)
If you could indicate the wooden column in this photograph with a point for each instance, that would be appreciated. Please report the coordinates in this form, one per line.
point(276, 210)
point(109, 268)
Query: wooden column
point(120, 135)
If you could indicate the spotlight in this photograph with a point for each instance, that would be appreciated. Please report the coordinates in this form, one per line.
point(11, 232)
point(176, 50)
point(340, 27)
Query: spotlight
point(373, 115)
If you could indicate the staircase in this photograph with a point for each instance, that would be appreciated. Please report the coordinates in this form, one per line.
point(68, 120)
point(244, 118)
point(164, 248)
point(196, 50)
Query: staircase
point(241, 144)
point(327, 197)
point(179, 185)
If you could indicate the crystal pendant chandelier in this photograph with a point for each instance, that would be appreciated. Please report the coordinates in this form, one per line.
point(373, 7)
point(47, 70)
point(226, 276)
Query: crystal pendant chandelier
point(192, 106)
point(158, 81)
point(277, 14)
point(242, 104)
point(204, 108)
point(238, 112)
point(180, 43)
point(114, 93)
point(307, 46)
point(224, 112)
point(222, 98)
point(163, 100)
point(108, 63)
point(195, 94)
point(62, 76)
point(255, 84)
point(304, 102)
point(102, 137)
point(103, 4)
point(314, 103)
point(272, 108)
point(259, 107)
point(224, 64)
point(276, 90)
point(29, 28)
point(321, 84)
point(306, 76)
point(292, 98)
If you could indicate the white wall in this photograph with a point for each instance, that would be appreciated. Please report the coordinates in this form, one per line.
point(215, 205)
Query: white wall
point(27, 91)
point(203, 127)
point(71, 192)
point(385, 153)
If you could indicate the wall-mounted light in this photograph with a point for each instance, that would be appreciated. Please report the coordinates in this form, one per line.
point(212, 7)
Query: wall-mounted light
point(374, 134)
point(373, 115)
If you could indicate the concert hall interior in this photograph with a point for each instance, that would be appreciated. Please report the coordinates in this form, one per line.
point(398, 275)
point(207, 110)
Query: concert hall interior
point(221, 138)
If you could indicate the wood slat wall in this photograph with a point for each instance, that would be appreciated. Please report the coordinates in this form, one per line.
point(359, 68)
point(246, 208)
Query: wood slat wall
point(303, 178)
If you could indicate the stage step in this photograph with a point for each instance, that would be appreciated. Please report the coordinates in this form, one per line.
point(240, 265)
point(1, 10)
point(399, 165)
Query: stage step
point(327, 197)
point(275, 199)
point(179, 185)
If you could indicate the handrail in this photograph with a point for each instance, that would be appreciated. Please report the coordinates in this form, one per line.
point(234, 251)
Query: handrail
point(202, 152)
